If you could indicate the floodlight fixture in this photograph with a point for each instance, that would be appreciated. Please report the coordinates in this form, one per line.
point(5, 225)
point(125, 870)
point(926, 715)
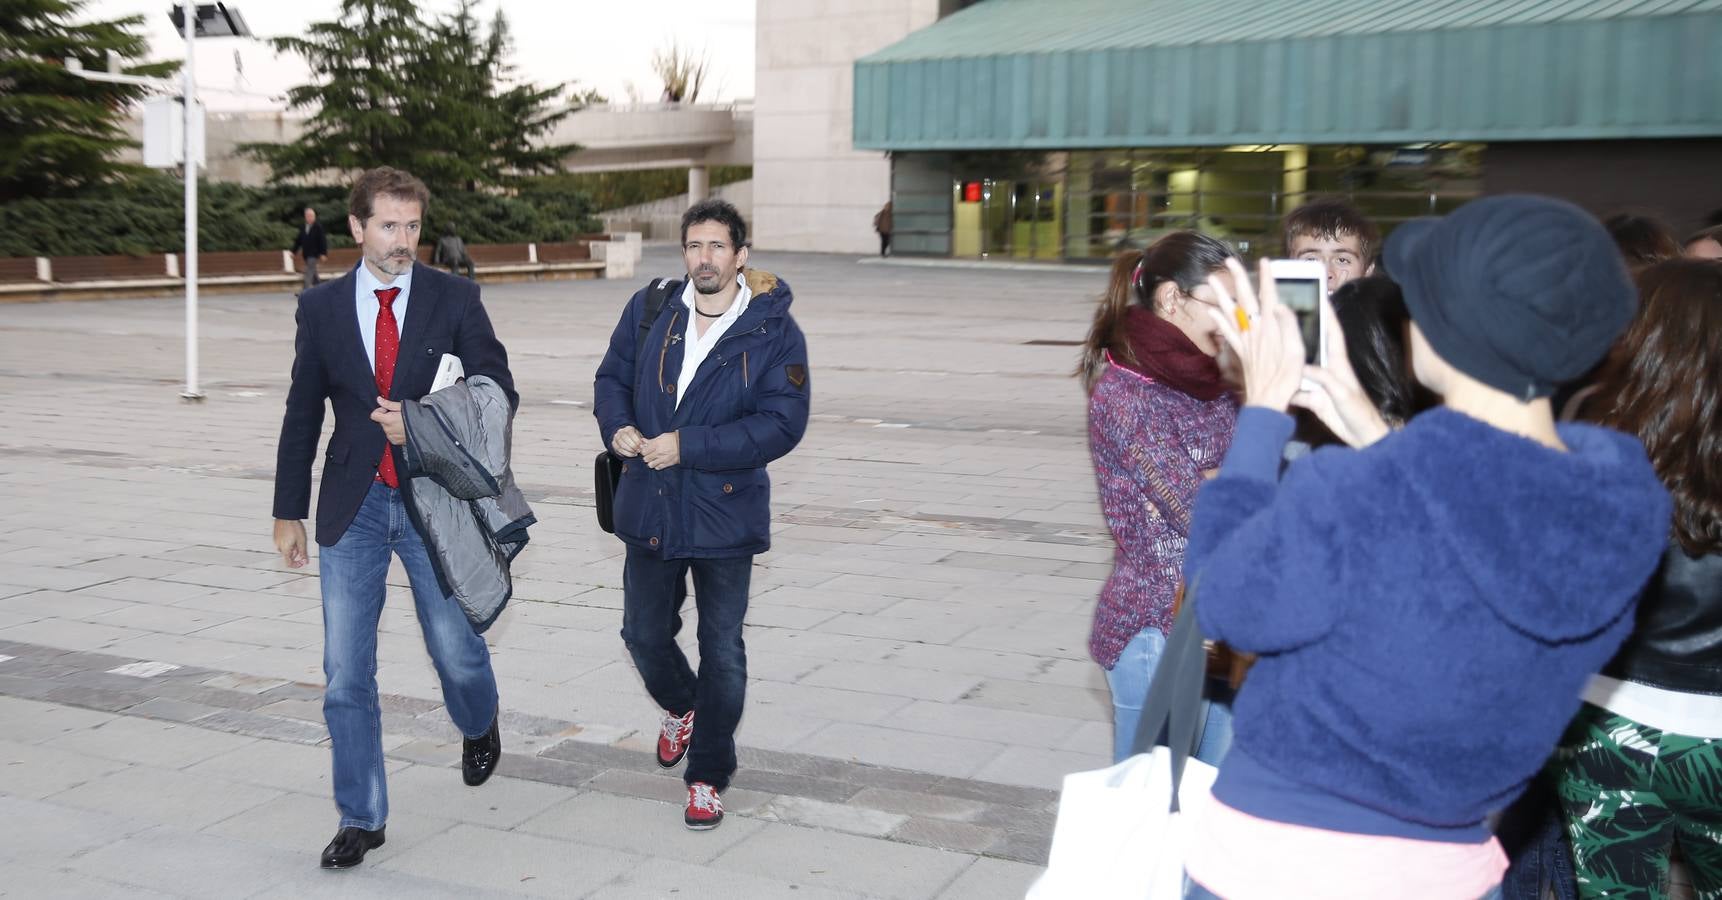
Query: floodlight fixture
point(213, 20)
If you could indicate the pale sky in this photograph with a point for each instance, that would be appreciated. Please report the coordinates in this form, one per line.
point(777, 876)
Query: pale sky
point(598, 43)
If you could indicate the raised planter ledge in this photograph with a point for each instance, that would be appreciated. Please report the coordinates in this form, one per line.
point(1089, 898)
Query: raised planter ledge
point(124, 288)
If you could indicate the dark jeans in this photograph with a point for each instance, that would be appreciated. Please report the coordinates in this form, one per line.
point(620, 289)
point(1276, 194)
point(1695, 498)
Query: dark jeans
point(1532, 833)
point(651, 616)
point(885, 244)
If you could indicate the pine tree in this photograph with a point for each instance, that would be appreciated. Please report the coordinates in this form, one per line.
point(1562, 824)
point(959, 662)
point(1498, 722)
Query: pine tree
point(59, 132)
point(430, 97)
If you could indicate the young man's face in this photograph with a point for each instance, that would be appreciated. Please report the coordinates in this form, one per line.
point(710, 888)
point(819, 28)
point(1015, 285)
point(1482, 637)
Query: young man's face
point(1341, 254)
point(390, 237)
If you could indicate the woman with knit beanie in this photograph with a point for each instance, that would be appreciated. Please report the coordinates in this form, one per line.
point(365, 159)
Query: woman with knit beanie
point(1426, 605)
point(1159, 421)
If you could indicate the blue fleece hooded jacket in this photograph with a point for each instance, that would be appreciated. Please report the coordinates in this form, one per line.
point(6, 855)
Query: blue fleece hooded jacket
point(1427, 610)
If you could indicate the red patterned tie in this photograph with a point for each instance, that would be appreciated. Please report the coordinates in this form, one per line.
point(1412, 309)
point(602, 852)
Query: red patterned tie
point(388, 348)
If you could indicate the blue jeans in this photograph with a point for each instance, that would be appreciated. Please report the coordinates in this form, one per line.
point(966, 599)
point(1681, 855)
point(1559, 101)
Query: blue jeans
point(1532, 831)
point(1129, 679)
point(651, 616)
point(354, 573)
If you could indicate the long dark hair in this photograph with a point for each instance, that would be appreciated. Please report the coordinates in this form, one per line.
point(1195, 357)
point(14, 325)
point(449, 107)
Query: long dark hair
point(1663, 383)
point(1185, 258)
point(1372, 314)
point(1642, 240)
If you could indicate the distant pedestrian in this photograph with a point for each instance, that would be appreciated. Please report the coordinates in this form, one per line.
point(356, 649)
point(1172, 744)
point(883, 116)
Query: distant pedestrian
point(718, 389)
point(312, 245)
point(451, 251)
point(882, 224)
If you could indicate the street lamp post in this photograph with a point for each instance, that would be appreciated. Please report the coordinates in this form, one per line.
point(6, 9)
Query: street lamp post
point(191, 391)
point(209, 20)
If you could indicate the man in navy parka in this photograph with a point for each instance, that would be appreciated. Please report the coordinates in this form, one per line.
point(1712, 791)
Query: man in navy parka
point(717, 389)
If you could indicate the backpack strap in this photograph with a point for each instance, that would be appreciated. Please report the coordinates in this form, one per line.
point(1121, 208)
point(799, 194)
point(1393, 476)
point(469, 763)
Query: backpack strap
point(656, 296)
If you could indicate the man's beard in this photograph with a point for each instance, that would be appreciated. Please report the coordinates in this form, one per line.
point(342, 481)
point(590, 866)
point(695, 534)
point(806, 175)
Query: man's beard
point(713, 286)
point(394, 262)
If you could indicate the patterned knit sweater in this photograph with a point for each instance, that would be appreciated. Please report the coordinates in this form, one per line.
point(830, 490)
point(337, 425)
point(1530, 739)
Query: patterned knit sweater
point(1150, 443)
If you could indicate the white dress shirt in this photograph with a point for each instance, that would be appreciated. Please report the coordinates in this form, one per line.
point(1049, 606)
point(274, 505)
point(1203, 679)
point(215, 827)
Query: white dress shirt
point(696, 348)
point(365, 290)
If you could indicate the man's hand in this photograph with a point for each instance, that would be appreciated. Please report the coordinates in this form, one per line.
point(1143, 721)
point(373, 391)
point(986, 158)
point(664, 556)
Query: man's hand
point(663, 451)
point(388, 415)
point(290, 540)
point(627, 442)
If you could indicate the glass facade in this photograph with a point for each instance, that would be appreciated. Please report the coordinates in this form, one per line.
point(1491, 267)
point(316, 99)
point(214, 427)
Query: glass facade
point(1090, 204)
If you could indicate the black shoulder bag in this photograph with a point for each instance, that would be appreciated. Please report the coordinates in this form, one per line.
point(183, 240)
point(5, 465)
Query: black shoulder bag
point(1172, 713)
point(607, 468)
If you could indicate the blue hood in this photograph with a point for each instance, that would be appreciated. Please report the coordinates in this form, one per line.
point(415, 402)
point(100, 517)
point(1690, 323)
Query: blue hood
point(1602, 512)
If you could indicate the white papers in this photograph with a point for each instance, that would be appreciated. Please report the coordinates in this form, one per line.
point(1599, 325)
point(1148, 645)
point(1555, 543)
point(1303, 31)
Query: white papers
point(448, 372)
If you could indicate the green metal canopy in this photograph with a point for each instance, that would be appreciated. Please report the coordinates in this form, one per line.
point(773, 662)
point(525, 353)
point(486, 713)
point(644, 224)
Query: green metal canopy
point(1069, 74)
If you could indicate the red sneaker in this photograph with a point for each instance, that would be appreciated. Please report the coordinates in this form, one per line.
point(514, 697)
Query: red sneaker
point(673, 739)
point(705, 810)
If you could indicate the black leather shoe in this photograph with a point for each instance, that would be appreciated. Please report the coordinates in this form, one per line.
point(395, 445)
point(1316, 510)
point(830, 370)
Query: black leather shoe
point(349, 847)
point(478, 756)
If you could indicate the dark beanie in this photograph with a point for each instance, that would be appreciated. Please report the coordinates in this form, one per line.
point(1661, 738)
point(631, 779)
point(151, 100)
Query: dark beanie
point(1520, 292)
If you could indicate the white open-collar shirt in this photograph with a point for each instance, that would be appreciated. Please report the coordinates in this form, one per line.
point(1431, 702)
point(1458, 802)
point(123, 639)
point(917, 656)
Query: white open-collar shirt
point(695, 348)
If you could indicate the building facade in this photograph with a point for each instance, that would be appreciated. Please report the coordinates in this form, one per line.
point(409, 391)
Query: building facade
point(814, 190)
point(1013, 133)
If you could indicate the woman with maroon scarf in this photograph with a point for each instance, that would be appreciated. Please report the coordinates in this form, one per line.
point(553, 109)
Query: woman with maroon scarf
point(1159, 421)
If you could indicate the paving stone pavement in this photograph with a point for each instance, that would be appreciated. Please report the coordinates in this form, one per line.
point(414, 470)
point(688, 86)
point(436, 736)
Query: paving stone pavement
point(917, 635)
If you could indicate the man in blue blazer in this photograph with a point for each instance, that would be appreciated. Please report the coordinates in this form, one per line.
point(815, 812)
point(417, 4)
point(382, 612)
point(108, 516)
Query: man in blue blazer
point(365, 342)
point(717, 389)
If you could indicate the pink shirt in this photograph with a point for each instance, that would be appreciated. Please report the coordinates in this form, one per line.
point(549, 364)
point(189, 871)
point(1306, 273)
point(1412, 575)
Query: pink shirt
point(1241, 857)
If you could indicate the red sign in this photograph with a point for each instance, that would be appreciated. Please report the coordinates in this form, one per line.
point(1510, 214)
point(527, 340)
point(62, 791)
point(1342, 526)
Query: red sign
point(971, 192)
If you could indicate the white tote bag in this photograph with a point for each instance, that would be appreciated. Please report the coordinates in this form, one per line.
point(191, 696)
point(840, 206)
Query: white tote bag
point(1117, 837)
point(1120, 835)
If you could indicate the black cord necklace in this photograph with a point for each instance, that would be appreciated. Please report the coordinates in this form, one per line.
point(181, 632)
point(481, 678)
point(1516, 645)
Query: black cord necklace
point(710, 315)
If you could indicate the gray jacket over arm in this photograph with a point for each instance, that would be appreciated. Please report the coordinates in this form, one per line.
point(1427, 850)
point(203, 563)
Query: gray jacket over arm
point(471, 514)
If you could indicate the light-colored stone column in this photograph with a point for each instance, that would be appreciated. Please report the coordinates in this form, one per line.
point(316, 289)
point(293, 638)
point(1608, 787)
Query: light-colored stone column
point(699, 184)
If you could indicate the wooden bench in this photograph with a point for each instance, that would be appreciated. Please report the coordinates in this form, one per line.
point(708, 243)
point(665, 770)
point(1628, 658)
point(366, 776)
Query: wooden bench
point(18, 269)
point(255, 262)
point(109, 268)
point(567, 252)
point(158, 274)
point(492, 255)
